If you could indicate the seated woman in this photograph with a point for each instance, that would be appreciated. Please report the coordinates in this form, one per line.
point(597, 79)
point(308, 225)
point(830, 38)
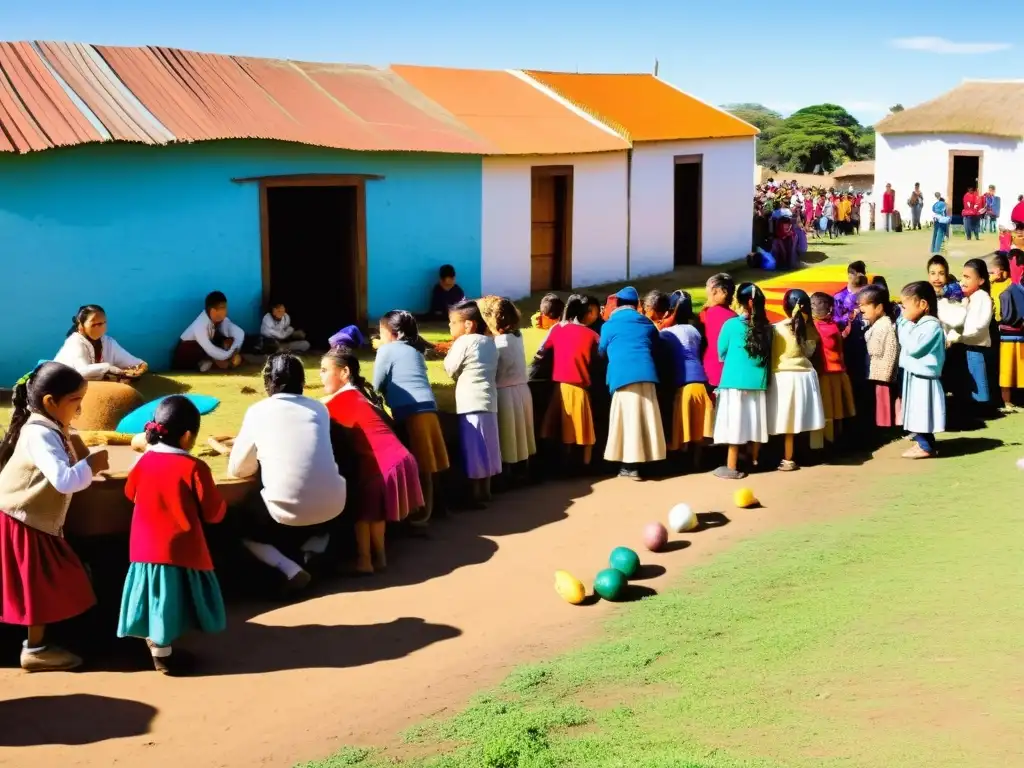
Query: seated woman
point(90, 351)
point(287, 439)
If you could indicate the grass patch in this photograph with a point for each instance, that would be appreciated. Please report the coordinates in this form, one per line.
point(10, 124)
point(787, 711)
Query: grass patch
point(887, 638)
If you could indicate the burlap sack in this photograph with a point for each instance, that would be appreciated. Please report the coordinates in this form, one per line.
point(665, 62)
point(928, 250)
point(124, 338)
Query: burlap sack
point(105, 404)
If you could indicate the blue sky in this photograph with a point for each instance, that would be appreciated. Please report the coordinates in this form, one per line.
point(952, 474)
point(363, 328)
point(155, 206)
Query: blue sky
point(874, 55)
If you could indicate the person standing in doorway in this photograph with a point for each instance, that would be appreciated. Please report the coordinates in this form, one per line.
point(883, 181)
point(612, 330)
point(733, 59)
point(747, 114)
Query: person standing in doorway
point(973, 206)
point(888, 206)
point(916, 203)
point(992, 209)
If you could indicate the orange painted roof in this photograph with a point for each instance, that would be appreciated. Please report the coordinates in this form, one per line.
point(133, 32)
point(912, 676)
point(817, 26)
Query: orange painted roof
point(509, 112)
point(644, 108)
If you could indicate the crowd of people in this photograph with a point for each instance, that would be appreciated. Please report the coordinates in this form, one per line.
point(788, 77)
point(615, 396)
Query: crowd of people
point(641, 384)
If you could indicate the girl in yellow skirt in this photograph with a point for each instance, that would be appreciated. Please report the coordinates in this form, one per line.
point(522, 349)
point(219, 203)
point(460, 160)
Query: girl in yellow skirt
point(693, 410)
point(573, 347)
point(836, 391)
point(1010, 315)
point(400, 375)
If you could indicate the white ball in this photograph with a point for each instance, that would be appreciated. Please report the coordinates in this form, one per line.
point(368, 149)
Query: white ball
point(681, 518)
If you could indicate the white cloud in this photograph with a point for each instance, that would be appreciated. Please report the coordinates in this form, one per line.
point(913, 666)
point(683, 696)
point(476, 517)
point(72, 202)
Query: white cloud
point(942, 45)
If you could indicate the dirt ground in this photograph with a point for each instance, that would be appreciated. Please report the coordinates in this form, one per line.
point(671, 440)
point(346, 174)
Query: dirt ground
point(364, 659)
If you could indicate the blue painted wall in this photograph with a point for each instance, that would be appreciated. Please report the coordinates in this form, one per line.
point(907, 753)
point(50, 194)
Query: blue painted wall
point(148, 231)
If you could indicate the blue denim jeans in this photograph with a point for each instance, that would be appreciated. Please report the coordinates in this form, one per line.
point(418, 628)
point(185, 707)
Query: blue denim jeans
point(971, 227)
point(927, 442)
point(993, 223)
point(939, 233)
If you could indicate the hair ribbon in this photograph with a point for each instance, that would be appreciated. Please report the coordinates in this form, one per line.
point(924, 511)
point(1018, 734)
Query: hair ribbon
point(795, 311)
point(152, 426)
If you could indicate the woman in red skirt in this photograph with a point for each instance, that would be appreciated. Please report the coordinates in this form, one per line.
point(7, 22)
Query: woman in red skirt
point(387, 487)
point(42, 581)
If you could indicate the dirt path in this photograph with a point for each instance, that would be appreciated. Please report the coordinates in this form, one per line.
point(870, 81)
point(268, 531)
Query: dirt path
point(451, 617)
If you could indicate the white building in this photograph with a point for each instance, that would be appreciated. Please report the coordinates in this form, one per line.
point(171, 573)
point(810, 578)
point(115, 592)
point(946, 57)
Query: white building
point(971, 136)
point(691, 163)
point(553, 195)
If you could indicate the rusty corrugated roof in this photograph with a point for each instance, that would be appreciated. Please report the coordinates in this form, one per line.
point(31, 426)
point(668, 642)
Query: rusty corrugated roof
point(644, 108)
point(36, 112)
point(510, 112)
point(60, 94)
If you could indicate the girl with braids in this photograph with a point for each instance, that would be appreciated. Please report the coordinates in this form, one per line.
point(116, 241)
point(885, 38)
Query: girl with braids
point(794, 398)
point(721, 289)
point(90, 351)
point(745, 348)
point(386, 485)
point(42, 581)
point(286, 439)
point(171, 588)
point(400, 375)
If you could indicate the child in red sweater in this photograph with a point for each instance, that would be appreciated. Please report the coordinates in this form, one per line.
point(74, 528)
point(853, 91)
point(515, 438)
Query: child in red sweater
point(836, 391)
point(171, 587)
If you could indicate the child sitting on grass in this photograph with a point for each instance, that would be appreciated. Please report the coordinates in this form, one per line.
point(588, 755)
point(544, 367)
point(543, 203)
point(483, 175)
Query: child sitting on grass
point(277, 333)
point(446, 293)
point(211, 340)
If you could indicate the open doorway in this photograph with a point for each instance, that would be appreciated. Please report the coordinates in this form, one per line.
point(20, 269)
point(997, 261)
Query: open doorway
point(313, 255)
point(551, 228)
point(687, 210)
point(964, 172)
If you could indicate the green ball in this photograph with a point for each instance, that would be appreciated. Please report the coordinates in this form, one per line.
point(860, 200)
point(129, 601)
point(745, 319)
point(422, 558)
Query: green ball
point(610, 583)
point(625, 560)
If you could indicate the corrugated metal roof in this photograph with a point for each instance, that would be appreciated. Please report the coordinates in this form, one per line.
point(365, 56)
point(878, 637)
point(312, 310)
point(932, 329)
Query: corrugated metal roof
point(60, 94)
point(644, 107)
point(510, 112)
point(35, 111)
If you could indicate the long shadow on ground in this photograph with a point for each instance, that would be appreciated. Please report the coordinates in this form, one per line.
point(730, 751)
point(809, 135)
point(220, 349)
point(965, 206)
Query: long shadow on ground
point(75, 719)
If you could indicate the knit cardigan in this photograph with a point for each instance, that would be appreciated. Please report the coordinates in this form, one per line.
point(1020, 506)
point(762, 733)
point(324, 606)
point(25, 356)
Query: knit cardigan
point(883, 350)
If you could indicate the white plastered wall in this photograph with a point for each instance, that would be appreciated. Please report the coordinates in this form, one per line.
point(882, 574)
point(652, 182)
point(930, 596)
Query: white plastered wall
point(598, 220)
point(726, 202)
point(903, 160)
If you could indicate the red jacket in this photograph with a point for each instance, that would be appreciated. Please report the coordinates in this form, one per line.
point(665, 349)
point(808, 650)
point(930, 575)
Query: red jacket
point(888, 201)
point(973, 204)
point(831, 359)
point(574, 348)
point(174, 494)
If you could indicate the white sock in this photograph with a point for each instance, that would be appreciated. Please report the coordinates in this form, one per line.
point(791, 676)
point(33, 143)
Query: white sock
point(160, 651)
point(271, 555)
point(316, 545)
point(24, 644)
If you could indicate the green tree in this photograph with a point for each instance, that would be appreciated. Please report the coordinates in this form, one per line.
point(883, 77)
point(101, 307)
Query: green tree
point(758, 115)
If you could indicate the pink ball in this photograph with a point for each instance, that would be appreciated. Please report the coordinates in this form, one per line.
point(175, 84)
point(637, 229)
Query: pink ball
point(655, 536)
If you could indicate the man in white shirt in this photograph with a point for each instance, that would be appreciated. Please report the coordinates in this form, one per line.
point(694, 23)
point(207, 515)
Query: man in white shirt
point(211, 339)
point(287, 439)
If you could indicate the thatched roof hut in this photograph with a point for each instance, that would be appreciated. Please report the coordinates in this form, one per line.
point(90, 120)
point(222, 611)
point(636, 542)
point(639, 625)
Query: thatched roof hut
point(978, 107)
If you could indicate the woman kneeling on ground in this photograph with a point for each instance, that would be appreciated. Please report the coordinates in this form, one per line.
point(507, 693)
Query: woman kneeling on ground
point(287, 439)
point(90, 351)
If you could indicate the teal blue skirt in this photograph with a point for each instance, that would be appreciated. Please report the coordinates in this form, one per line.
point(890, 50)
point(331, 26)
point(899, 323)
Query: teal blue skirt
point(163, 602)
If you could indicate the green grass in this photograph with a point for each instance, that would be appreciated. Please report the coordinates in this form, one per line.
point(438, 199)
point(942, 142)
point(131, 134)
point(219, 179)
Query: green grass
point(890, 638)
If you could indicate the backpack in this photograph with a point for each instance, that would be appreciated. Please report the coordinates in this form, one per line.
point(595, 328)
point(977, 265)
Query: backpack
point(897, 222)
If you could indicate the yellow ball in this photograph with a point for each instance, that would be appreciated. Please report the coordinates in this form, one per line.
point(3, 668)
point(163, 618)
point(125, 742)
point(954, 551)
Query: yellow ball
point(569, 588)
point(744, 498)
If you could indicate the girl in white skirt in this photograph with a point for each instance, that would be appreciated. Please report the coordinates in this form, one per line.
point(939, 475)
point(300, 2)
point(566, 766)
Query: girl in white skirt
point(794, 397)
point(515, 404)
point(745, 348)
